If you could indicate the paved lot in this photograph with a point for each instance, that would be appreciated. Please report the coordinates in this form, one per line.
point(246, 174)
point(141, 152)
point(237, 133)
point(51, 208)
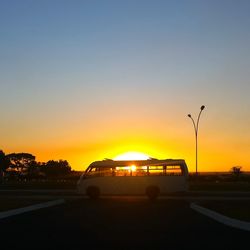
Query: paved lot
point(120, 223)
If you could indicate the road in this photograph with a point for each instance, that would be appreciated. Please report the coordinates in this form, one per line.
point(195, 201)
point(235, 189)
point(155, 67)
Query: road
point(120, 223)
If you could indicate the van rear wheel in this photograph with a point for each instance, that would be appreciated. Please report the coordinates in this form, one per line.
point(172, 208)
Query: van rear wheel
point(152, 192)
point(93, 192)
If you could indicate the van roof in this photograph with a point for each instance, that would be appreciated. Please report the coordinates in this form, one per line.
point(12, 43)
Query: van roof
point(149, 162)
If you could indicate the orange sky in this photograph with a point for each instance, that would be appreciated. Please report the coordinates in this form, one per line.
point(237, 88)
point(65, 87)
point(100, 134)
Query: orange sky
point(172, 136)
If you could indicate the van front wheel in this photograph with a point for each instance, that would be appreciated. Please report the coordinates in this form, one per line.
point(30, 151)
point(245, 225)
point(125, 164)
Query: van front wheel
point(93, 192)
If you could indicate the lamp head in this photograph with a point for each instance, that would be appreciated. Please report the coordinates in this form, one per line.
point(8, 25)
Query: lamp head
point(202, 107)
point(189, 115)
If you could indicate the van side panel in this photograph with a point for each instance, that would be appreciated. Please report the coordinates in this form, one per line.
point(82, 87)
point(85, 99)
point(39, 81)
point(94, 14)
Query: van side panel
point(133, 185)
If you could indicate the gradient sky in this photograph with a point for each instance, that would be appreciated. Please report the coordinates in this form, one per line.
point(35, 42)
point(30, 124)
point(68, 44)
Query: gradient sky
point(87, 80)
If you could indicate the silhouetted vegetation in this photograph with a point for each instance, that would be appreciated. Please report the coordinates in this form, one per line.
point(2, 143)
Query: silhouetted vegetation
point(56, 168)
point(24, 167)
point(4, 164)
point(236, 172)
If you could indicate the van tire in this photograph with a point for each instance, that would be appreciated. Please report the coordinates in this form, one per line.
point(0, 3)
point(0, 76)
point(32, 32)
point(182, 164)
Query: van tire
point(93, 192)
point(152, 192)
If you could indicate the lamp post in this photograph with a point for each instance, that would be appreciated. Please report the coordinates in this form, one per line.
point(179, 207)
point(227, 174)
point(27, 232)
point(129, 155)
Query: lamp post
point(196, 128)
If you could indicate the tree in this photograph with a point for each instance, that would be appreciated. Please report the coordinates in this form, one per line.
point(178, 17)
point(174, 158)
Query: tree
point(34, 170)
point(236, 172)
point(21, 161)
point(56, 168)
point(4, 164)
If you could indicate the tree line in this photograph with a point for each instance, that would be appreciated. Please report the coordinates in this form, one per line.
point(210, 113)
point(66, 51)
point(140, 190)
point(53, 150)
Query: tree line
point(24, 166)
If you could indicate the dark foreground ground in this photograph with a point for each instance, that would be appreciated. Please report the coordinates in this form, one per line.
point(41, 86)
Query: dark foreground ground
point(121, 223)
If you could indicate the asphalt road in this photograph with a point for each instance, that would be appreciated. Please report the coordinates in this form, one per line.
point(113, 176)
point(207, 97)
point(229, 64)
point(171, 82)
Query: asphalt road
point(121, 223)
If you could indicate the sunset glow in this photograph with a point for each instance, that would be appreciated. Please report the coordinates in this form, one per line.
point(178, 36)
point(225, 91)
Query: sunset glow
point(131, 156)
point(133, 168)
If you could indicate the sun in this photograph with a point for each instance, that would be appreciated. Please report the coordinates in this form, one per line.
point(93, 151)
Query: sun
point(131, 156)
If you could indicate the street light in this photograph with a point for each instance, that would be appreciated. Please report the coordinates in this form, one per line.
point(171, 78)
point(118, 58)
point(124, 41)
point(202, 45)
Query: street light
point(196, 128)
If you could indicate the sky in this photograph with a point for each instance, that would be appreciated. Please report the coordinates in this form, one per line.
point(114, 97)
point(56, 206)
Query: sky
point(92, 79)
